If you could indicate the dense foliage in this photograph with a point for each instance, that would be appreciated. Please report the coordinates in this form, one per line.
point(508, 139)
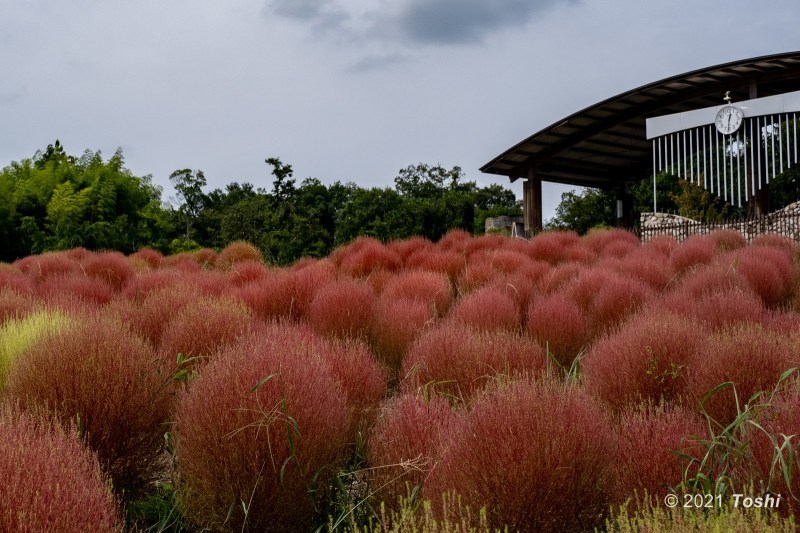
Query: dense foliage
point(56, 201)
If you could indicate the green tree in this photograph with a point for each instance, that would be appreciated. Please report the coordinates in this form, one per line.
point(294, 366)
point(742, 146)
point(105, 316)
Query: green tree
point(582, 211)
point(189, 190)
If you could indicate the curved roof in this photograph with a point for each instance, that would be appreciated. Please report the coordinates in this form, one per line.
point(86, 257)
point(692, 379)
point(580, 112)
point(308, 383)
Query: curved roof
point(605, 144)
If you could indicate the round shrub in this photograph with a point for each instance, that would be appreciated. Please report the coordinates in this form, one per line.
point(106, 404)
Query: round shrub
point(237, 252)
point(727, 239)
point(558, 325)
point(438, 260)
point(768, 271)
point(159, 307)
point(50, 481)
point(14, 304)
point(366, 255)
point(147, 257)
point(408, 441)
point(111, 268)
point(395, 324)
point(551, 246)
point(747, 355)
point(644, 360)
point(201, 329)
point(650, 441)
point(247, 272)
point(93, 291)
point(430, 288)
point(39, 267)
point(17, 335)
point(141, 285)
point(342, 309)
point(264, 423)
point(459, 361)
point(488, 308)
point(205, 257)
point(696, 250)
point(537, 455)
point(100, 376)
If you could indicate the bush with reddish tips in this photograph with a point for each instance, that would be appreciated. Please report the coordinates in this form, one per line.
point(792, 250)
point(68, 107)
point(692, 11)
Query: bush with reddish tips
point(203, 328)
point(207, 258)
point(478, 272)
point(488, 308)
point(650, 441)
point(696, 250)
point(147, 256)
point(246, 272)
point(237, 252)
point(111, 268)
point(663, 244)
point(78, 254)
point(40, 267)
point(558, 325)
point(407, 443)
point(772, 240)
point(484, 244)
point(109, 382)
point(454, 240)
point(14, 304)
point(784, 322)
point(13, 279)
point(263, 424)
point(561, 275)
point(158, 308)
point(342, 309)
point(407, 247)
point(644, 360)
point(611, 242)
point(727, 239)
point(614, 300)
point(748, 356)
point(144, 283)
point(182, 262)
point(307, 281)
point(396, 323)
point(208, 282)
point(378, 279)
point(538, 455)
point(727, 308)
point(550, 245)
point(271, 297)
point(778, 438)
point(93, 291)
point(367, 255)
point(459, 361)
point(444, 262)
point(50, 481)
point(645, 265)
point(767, 270)
point(428, 287)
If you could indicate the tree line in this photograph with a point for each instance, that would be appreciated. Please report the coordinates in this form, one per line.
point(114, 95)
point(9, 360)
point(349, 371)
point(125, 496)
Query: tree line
point(56, 201)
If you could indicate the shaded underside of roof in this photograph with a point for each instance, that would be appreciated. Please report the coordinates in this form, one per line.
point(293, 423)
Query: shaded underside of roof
point(605, 145)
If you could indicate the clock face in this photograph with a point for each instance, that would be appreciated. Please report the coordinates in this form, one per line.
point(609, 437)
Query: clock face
point(729, 118)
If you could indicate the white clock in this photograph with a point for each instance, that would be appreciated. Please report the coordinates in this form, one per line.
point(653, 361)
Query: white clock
point(729, 119)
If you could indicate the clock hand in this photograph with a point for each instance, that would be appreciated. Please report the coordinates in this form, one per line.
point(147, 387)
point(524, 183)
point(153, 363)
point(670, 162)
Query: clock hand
point(729, 120)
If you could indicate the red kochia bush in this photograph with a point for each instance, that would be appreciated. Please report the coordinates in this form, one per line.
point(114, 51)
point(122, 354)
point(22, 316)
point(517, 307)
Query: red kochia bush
point(237, 252)
point(342, 309)
point(537, 454)
point(14, 304)
point(747, 355)
point(428, 287)
point(203, 327)
point(551, 246)
point(395, 324)
point(460, 361)
point(649, 440)
point(781, 422)
point(148, 257)
point(112, 268)
point(558, 325)
point(263, 423)
point(488, 308)
point(768, 271)
point(246, 272)
point(108, 381)
point(93, 291)
point(50, 481)
point(39, 267)
point(158, 308)
point(644, 360)
point(408, 441)
point(366, 255)
point(693, 251)
point(442, 261)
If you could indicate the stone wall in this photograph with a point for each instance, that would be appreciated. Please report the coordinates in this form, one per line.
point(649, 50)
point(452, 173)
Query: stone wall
point(784, 222)
point(502, 223)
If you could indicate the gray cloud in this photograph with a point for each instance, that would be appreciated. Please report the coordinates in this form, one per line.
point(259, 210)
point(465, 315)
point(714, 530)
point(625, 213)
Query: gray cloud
point(376, 62)
point(325, 15)
point(465, 21)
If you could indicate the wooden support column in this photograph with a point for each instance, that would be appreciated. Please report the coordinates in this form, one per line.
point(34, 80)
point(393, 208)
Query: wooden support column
point(532, 203)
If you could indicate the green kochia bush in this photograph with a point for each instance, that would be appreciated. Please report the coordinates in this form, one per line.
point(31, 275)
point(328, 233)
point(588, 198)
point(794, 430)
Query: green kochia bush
point(50, 481)
point(259, 434)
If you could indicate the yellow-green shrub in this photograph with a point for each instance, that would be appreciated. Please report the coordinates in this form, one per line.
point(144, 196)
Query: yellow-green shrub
point(17, 335)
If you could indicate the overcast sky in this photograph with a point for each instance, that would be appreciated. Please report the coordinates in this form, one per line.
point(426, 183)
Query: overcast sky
point(347, 90)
